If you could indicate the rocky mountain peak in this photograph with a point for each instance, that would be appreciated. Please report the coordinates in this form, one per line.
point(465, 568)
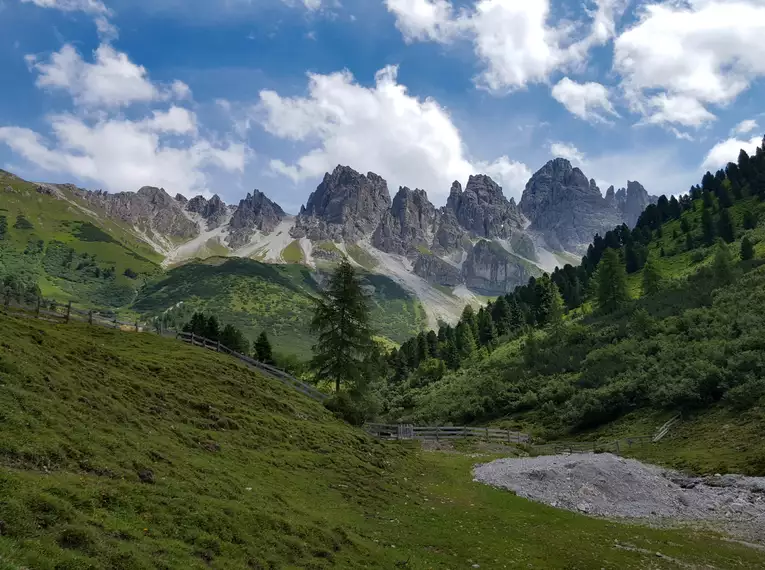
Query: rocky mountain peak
point(631, 201)
point(213, 211)
point(346, 205)
point(482, 208)
point(256, 212)
point(566, 207)
point(181, 198)
point(409, 225)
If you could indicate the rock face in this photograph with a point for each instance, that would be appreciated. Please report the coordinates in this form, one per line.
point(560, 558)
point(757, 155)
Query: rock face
point(482, 208)
point(409, 226)
point(491, 269)
point(565, 207)
point(151, 210)
point(346, 206)
point(214, 211)
point(435, 270)
point(631, 202)
point(255, 213)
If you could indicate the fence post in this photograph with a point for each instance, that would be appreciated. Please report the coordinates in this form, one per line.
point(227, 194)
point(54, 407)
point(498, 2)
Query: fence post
point(136, 325)
point(438, 429)
point(115, 323)
point(508, 436)
point(7, 302)
point(37, 310)
point(68, 311)
point(617, 447)
point(217, 348)
point(90, 317)
point(487, 435)
point(192, 339)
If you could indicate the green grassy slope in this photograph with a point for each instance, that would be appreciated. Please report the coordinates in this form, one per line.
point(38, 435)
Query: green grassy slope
point(256, 296)
point(248, 474)
point(70, 252)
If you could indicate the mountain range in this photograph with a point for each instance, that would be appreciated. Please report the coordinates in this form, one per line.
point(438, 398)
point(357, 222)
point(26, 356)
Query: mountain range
point(478, 244)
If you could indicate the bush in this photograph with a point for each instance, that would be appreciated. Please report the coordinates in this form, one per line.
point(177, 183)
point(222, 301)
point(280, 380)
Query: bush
point(347, 408)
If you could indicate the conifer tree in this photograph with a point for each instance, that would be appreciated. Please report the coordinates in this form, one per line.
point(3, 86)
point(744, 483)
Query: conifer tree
point(487, 333)
point(517, 320)
point(747, 249)
point(501, 316)
point(652, 278)
point(231, 337)
point(611, 282)
point(432, 344)
point(341, 320)
point(707, 226)
point(212, 328)
point(725, 227)
point(722, 266)
point(750, 220)
point(263, 350)
point(465, 340)
point(469, 318)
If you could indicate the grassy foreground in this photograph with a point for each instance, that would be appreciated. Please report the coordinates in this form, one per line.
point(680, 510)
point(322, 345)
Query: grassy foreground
point(129, 451)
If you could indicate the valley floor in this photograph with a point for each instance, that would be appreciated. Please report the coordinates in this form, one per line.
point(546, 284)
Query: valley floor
point(129, 451)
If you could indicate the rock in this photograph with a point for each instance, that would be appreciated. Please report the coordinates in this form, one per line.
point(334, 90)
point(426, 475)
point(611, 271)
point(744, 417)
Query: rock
point(436, 270)
point(255, 213)
point(146, 476)
point(150, 209)
point(566, 208)
point(491, 269)
point(631, 202)
point(482, 209)
point(181, 198)
point(213, 211)
point(345, 206)
point(408, 228)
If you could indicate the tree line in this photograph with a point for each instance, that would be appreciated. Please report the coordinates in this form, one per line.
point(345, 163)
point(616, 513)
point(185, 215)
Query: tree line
point(230, 336)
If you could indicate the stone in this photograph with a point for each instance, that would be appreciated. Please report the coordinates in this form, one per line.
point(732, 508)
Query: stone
point(408, 228)
point(346, 206)
point(256, 213)
point(492, 270)
point(482, 209)
point(435, 270)
point(146, 476)
point(566, 208)
point(213, 211)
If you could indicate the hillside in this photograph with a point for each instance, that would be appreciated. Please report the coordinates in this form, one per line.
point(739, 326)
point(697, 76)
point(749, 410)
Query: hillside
point(124, 450)
point(255, 296)
point(683, 336)
point(68, 248)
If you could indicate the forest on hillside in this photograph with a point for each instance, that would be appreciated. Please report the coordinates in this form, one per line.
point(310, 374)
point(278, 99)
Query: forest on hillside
point(662, 316)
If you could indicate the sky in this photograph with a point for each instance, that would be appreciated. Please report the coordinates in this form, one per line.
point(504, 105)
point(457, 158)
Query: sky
point(224, 96)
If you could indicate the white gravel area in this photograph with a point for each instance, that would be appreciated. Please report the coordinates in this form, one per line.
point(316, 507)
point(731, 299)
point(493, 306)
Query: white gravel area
point(610, 486)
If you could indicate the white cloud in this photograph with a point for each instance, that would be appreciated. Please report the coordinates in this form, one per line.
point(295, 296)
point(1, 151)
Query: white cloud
point(96, 8)
point(727, 151)
point(161, 147)
point(312, 5)
point(585, 100)
point(682, 57)
point(567, 151)
point(745, 127)
point(383, 129)
point(511, 37)
point(425, 19)
point(112, 80)
point(124, 155)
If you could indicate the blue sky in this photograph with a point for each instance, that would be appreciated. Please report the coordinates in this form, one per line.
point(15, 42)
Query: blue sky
point(223, 96)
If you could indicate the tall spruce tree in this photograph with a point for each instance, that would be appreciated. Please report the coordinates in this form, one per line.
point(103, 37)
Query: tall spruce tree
point(747, 249)
point(722, 266)
point(487, 333)
point(707, 226)
point(652, 278)
point(341, 320)
point(611, 282)
point(263, 351)
point(725, 227)
point(501, 316)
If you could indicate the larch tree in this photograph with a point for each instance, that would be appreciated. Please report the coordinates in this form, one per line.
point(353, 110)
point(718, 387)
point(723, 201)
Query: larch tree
point(341, 320)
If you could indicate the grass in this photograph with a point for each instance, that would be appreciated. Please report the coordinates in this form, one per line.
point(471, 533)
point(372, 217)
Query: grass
point(717, 440)
point(248, 474)
point(257, 296)
point(361, 257)
point(64, 225)
point(293, 253)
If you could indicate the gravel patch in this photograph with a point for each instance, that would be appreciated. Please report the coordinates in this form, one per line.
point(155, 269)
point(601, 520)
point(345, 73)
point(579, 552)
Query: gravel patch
point(609, 486)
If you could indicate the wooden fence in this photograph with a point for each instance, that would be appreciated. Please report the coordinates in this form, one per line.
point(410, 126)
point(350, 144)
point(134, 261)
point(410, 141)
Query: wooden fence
point(438, 433)
point(283, 377)
point(55, 312)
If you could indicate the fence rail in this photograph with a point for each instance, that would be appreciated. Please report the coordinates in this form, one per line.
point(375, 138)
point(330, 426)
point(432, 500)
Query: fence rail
point(283, 377)
point(406, 431)
point(66, 313)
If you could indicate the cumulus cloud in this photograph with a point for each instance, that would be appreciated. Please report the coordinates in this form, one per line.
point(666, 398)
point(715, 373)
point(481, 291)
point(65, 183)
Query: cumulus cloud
point(567, 151)
point(588, 101)
point(745, 127)
point(727, 151)
point(383, 129)
point(112, 80)
point(124, 155)
point(96, 8)
point(512, 38)
point(682, 57)
point(159, 147)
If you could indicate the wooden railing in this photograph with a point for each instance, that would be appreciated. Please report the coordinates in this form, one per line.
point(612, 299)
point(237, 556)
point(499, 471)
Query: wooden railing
point(283, 377)
point(51, 311)
point(437, 433)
